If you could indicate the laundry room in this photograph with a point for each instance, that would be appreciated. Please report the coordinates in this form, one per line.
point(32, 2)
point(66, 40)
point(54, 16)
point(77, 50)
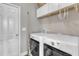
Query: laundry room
point(39, 29)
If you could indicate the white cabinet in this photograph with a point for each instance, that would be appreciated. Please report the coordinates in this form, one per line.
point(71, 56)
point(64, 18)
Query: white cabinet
point(52, 8)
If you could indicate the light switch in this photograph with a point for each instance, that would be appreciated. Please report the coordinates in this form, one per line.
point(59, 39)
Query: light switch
point(23, 29)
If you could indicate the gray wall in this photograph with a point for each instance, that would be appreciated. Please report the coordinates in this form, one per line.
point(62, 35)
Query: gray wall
point(33, 22)
point(69, 26)
point(29, 21)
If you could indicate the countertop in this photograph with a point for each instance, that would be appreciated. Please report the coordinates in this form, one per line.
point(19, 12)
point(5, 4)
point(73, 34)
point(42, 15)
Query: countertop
point(59, 37)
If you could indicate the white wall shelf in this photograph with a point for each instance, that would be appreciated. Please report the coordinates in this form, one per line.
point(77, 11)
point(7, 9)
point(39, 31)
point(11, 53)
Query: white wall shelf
point(53, 9)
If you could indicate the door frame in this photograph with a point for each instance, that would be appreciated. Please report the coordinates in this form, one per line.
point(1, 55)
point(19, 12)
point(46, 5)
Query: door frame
point(19, 19)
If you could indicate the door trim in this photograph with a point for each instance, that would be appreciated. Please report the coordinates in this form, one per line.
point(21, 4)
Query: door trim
point(19, 19)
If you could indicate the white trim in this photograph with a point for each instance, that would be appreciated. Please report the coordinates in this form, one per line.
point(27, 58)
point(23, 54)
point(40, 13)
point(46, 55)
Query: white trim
point(24, 53)
point(19, 28)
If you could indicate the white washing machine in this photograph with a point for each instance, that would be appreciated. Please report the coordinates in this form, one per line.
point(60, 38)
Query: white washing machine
point(50, 49)
point(43, 46)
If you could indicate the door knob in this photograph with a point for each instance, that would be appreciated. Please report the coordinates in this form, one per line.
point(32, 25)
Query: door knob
point(17, 34)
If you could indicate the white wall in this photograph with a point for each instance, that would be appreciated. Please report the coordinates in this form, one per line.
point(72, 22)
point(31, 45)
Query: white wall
point(29, 21)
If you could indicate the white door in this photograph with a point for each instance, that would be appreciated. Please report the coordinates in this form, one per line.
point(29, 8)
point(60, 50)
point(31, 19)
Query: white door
point(9, 30)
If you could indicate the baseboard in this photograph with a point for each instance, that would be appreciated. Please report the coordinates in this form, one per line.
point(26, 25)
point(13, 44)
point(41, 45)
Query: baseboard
point(24, 53)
